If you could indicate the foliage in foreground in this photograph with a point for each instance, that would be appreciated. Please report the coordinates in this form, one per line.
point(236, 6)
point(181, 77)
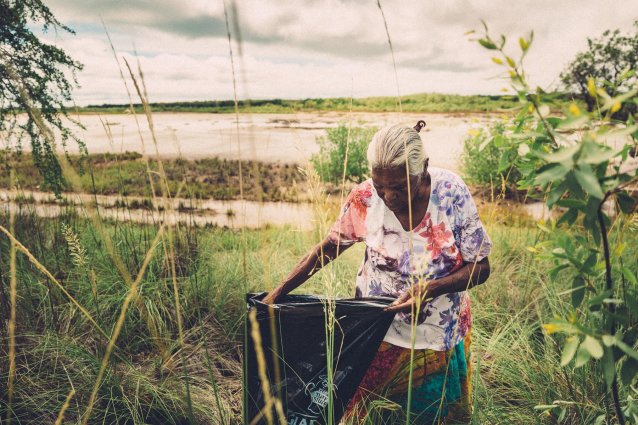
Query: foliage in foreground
point(35, 76)
point(153, 379)
point(590, 182)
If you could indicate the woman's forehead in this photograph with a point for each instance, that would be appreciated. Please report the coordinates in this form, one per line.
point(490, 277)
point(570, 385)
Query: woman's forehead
point(396, 174)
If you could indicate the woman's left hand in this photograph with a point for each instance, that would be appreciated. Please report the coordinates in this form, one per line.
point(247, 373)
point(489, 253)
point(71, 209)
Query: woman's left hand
point(410, 298)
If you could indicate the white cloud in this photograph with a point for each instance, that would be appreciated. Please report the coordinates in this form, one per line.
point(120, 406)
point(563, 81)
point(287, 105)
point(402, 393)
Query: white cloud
point(305, 48)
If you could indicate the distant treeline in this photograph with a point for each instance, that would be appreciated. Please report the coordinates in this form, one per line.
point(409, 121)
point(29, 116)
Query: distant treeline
point(425, 102)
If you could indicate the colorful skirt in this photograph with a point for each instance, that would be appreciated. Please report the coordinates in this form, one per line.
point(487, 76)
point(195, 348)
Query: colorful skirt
point(441, 387)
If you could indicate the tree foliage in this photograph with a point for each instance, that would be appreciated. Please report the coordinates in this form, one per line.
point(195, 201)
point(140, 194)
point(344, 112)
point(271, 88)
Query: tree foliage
point(611, 59)
point(36, 80)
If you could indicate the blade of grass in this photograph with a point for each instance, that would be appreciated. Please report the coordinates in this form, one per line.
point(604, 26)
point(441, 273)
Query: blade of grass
point(132, 294)
point(13, 296)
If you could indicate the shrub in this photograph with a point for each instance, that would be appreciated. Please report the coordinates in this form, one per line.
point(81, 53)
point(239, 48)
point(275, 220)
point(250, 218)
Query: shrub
point(491, 157)
point(329, 162)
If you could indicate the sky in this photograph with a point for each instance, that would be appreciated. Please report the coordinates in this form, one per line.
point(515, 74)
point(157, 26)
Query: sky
point(299, 49)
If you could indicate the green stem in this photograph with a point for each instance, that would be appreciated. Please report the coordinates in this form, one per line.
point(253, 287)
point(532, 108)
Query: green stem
point(612, 325)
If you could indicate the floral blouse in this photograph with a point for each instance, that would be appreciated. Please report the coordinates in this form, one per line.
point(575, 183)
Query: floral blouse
point(449, 234)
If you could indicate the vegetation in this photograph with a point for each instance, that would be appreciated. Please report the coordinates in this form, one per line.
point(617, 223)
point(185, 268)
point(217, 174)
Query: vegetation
point(59, 349)
point(423, 102)
point(611, 60)
point(34, 76)
point(490, 157)
point(580, 176)
point(126, 174)
point(343, 154)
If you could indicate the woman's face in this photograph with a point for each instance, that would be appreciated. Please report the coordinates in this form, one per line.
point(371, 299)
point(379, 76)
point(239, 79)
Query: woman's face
point(391, 185)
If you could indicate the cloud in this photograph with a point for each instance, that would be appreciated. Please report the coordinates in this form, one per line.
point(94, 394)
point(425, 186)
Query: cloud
point(309, 48)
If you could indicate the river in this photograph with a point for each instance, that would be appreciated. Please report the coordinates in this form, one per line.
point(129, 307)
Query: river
point(290, 138)
point(265, 137)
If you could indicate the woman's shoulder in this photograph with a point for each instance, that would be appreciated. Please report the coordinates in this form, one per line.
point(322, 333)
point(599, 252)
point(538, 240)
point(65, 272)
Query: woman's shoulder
point(361, 194)
point(446, 179)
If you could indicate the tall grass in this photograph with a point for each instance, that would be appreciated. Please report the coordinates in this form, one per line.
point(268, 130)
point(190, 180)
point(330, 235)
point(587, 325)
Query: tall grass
point(58, 350)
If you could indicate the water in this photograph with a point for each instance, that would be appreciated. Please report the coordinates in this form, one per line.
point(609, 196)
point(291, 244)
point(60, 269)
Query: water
point(266, 137)
point(233, 214)
point(289, 138)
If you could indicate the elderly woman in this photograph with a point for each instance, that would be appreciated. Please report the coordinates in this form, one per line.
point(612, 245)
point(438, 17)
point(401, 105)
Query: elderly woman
point(425, 246)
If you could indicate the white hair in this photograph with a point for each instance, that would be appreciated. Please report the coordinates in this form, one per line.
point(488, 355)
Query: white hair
point(391, 146)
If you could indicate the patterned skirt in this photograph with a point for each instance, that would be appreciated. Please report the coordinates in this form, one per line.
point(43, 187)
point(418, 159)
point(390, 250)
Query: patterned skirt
point(441, 387)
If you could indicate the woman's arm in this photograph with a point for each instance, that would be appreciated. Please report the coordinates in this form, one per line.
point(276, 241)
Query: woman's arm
point(468, 276)
point(317, 257)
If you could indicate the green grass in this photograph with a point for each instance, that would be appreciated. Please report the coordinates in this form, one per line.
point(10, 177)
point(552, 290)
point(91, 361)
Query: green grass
point(422, 102)
point(126, 174)
point(516, 364)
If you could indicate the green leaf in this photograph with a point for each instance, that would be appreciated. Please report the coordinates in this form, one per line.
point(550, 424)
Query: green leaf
point(627, 349)
point(595, 302)
point(555, 194)
point(593, 346)
point(578, 291)
point(569, 217)
point(626, 202)
point(505, 162)
point(630, 276)
point(487, 44)
point(589, 183)
point(595, 153)
point(553, 121)
point(569, 350)
point(590, 262)
point(571, 203)
point(563, 156)
point(628, 371)
point(561, 416)
point(552, 173)
point(609, 366)
point(553, 272)
point(582, 356)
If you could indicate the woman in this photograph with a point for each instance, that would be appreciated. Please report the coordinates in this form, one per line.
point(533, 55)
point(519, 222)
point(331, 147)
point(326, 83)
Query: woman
point(425, 245)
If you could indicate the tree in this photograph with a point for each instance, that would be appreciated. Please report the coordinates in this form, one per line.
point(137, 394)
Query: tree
point(610, 59)
point(34, 80)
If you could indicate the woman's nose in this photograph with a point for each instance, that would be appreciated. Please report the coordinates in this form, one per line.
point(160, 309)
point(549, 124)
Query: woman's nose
point(390, 197)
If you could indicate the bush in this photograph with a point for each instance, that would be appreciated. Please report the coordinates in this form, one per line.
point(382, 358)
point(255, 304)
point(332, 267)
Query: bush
point(490, 158)
point(329, 162)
